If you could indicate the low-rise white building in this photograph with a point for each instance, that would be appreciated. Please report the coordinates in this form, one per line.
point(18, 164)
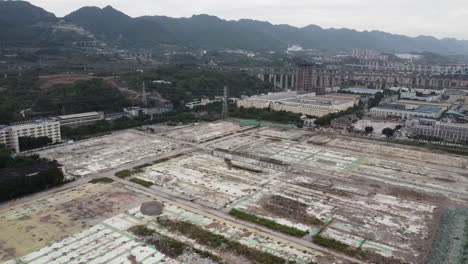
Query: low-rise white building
point(138, 111)
point(9, 135)
point(307, 104)
point(427, 95)
point(436, 129)
point(80, 119)
point(203, 101)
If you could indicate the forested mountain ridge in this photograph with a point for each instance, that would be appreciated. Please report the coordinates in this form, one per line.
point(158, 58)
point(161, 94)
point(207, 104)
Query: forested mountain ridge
point(210, 32)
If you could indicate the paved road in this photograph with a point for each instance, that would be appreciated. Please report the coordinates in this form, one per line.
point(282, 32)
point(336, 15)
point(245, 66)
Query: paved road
point(298, 243)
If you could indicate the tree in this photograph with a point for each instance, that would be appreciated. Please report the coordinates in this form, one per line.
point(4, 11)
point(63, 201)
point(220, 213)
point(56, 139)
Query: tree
point(388, 132)
point(369, 129)
point(28, 143)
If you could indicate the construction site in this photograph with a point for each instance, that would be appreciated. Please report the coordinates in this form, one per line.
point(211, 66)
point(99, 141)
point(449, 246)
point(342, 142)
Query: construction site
point(226, 192)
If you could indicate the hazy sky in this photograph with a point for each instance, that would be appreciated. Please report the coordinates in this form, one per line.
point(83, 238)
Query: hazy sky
point(447, 18)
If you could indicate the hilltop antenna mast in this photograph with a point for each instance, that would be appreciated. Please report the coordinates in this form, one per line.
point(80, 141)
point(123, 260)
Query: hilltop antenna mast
point(225, 102)
point(144, 98)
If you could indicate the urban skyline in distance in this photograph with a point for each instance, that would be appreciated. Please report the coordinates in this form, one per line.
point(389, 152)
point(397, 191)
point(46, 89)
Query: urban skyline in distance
point(432, 18)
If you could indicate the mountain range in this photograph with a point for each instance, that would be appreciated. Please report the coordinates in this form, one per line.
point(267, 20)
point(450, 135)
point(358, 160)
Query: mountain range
point(21, 21)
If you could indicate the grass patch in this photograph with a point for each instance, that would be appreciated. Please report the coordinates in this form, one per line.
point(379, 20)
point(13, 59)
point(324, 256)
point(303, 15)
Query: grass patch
point(169, 246)
point(123, 174)
point(213, 240)
point(290, 209)
point(142, 182)
point(141, 168)
point(102, 180)
point(268, 223)
point(142, 231)
point(335, 244)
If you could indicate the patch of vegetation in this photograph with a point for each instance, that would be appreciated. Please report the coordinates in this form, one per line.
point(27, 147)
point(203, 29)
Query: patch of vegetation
point(318, 143)
point(10, 162)
point(213, 240)
point(266, 115)
point(268, 223)
point(17, 186)
point(326, 119)
point(142, 231)
point(142, 182)
point(140, 169)
point(76, 97)
point(406, 193)
point(123, 174)
point(388, 132)
point(29, 143)
point(334, 244)
point(169, 246)
point(186, 82)
point(103, 126)
point(289, 208)
point(102, 180)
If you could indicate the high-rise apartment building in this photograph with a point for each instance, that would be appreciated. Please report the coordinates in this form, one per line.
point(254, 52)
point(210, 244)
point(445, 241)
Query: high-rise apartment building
point(308, 80)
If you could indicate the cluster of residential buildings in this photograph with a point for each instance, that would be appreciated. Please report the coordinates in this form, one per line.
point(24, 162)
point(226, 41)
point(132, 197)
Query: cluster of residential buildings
point(367, 54)
point(301, 103)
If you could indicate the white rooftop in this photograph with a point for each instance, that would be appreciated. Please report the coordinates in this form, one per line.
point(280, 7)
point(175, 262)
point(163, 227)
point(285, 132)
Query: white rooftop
point(78, 115)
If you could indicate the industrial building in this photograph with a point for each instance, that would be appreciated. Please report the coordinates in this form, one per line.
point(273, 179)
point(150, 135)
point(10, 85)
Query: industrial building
point(307, 104)
point(402, 112)
point(431, 128)
point(358, 90)
point(9, 135)
point(139, 111)
point(80, 119)
point(408, 109)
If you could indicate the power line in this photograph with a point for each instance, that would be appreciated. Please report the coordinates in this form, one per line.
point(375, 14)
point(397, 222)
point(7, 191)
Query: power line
point(225, 102)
